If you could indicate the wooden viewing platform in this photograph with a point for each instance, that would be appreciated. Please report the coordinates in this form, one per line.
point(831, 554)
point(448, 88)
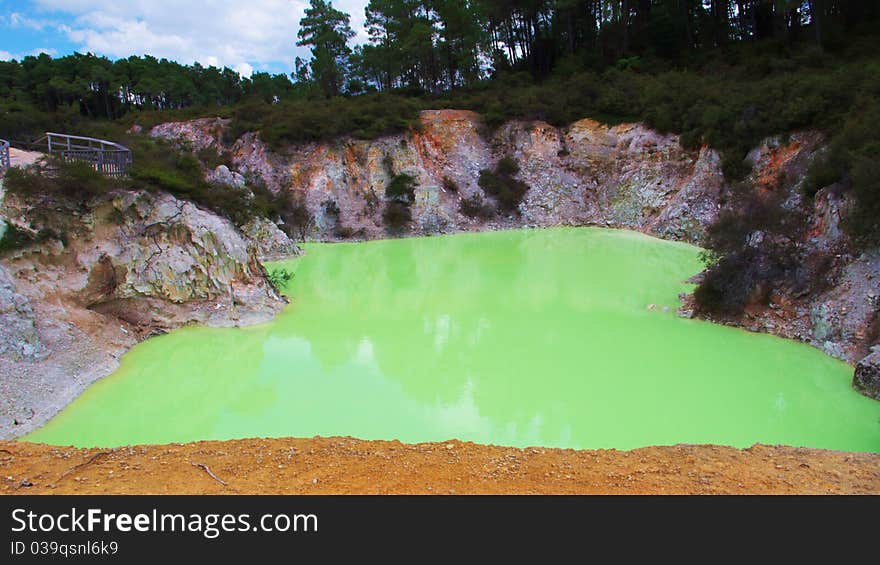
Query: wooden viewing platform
point(108, 158)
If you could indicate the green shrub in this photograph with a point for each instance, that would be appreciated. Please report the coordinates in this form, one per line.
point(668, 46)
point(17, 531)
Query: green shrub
point(77, 181)
point(732, 283)
point(734, 165)
point(13, 238)
point(476, 207)
point(741, 272)
point(345, 232)
point(279, 278)
point(400, 193)
point(401, 188)
point(299, 222)
point(330, 208)
point(301, 120)
point(396, 216)
point(500, 183)
point(864, 220)
point(507, 166)
point(449, 185)
point(852, 160)
point(159, 165)
point(212, 158)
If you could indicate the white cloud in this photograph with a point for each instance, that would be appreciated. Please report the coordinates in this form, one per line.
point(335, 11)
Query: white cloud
point(241, 34)
point(244, 70)
point(46, 50)
point(18, 20)
point(9, 56)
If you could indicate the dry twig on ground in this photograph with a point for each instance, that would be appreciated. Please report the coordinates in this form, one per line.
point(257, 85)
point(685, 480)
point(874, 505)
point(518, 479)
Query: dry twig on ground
point(208, 470)
point(91, 460)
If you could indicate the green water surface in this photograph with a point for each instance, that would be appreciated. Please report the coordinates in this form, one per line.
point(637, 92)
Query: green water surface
point(515, 338)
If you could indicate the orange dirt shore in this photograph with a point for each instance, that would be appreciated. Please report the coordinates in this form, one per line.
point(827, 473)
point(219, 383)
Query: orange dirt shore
point(351, 466)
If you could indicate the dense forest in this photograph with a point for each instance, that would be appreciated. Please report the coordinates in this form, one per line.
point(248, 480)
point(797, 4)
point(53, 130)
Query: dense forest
point(429, 47)
point(723, 73)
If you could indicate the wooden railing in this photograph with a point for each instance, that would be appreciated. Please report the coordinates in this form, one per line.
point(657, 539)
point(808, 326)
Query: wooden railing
point(107, 157)
point(4, 155)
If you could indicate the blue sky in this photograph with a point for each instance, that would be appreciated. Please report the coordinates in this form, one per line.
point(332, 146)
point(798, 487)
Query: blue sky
point(247, 35)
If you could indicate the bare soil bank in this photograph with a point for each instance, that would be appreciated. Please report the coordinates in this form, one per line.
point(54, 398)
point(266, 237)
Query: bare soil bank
point(351, 466)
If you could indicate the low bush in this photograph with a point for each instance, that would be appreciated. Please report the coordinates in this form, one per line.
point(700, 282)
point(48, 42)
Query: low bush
point(76, 181)
point(158, 165)
point(502, 185)
point(751, 250)
point(13, 238)
point(401, 188)
point(330, 208)
point(345, 232)
point(301, 120)
point(400, 193)
point(864, 220)
point(732, 283)
point(299, 222)
point(475, 207)
point(279, 278)
point(211, 158)
point(449, 185)
point(396, 216)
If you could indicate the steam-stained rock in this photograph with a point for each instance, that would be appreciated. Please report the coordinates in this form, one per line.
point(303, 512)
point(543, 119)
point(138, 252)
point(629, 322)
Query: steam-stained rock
point(222, 176)
point(198, 134)
point(272, 243)
point(172, 250)
point(133, 266)
point(867, 376)
point(842, 317)
point(18, 333)
point(589, 173)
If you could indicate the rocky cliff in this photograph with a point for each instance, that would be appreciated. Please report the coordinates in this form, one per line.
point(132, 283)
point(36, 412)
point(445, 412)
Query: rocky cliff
point(132, 265)
point(867, 376)
point(625, 176)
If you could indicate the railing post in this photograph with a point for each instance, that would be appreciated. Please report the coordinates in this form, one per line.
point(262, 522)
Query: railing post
point(106, 157)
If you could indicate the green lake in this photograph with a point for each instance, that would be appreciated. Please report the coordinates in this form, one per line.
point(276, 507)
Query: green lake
point(536, 337)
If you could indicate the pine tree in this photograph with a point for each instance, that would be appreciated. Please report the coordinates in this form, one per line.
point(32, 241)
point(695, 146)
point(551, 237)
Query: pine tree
point(327, 31)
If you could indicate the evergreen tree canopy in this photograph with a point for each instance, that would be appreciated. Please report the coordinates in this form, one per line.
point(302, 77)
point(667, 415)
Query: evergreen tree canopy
point(327, 31)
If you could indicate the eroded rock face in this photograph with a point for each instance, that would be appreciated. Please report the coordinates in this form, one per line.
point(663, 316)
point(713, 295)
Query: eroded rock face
point(838, 318)
point(272, 243)
point(867, 376)
point(199, 134)
point(223, 177)
point(841, 317)
point(625, 176)
point(18, 332)
point(135, 265)
point(695, 204)
point(172, 251)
